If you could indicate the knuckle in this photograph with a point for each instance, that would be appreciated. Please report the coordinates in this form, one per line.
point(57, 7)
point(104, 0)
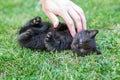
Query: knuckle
point(60, 10)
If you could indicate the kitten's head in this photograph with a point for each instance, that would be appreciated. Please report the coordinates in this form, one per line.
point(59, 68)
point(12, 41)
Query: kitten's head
point(84, 42)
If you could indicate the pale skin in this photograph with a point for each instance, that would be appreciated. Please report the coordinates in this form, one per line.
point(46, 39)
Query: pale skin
point(72, 14)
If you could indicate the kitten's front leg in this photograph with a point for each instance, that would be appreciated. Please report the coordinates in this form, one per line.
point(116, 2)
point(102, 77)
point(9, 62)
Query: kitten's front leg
point(50, 42)
point(33, 22)
point(25, 36)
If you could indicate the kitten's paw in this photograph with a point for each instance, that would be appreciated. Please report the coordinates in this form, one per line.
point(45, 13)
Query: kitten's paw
point(50, 42)
point(26, 35)
point(49, 37)
point(36, 21)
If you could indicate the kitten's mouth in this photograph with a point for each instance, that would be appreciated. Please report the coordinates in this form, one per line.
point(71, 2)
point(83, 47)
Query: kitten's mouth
point(78, 49)
point(82, 50)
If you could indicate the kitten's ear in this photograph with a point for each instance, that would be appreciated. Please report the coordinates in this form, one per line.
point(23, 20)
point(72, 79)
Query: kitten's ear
point(93, 33)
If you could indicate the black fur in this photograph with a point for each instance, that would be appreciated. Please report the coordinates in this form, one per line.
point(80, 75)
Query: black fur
point(33, 35)
point(36, 34)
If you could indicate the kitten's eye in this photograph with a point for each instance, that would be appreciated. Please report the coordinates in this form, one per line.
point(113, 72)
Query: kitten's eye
point(86, 41)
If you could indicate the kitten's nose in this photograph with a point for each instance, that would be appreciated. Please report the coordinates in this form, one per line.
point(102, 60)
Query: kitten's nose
point(80, 43)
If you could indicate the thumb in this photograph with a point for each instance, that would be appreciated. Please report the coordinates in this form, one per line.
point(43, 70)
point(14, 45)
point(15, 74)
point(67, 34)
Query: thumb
point(54, 19)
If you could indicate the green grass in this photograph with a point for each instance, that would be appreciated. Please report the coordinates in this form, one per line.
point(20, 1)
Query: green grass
point(23, 64)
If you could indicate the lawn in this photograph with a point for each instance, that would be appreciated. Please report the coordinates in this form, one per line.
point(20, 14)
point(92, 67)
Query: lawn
point(18, 63)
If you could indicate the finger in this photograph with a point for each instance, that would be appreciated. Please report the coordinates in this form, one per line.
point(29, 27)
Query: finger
point(76, 18)
point(83, 19)
point(81, 14)
point(53, 18)
point(69, 23)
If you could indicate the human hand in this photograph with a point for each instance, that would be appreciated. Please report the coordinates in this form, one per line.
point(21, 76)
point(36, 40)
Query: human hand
point(68, 11)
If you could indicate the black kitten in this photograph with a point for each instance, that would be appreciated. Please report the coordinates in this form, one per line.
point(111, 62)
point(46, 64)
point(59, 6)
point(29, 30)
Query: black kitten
point(36, 34)
point(84, 43)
